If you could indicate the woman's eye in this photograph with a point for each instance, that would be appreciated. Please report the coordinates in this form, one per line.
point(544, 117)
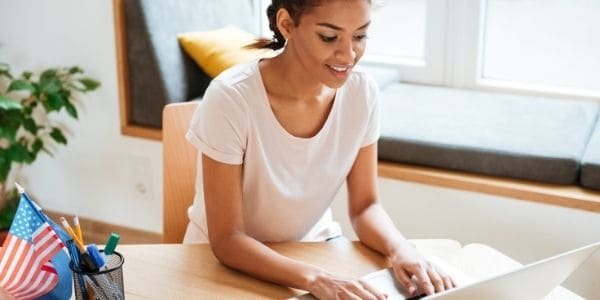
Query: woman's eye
point(360, 37)
point(327, 39)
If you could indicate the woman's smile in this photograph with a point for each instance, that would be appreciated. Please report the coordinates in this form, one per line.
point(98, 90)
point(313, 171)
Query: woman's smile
point(339, 71)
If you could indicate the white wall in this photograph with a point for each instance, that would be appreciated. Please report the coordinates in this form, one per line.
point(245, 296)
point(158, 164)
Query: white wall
point(96, 175)
point(93, 175)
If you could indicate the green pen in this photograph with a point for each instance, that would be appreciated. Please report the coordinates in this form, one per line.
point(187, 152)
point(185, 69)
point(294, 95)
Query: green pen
point(111, 243)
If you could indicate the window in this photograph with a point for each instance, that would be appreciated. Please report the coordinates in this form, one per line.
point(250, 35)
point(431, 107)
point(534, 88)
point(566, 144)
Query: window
point(397, 31)
point(545, 47)
point(543, 43)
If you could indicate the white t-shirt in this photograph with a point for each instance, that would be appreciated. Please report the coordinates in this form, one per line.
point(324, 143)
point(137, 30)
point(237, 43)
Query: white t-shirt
point(288, 182)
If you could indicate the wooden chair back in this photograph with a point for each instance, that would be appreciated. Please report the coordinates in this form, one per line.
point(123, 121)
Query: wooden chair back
point(179, 170)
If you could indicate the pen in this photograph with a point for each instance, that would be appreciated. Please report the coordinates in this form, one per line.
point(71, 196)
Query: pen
point(78, 229)
point(74, 253)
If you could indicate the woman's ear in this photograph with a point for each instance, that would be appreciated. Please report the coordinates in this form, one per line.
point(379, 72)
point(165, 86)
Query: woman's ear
point(285, 23)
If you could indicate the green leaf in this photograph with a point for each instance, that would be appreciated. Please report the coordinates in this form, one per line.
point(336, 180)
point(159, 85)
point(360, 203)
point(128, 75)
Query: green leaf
point(47, 74)
point(71, 109)
point(4, 165)
point(37, 90)
point(5, 70)
point(55, 101)
point(21, 85)
point(37, 145)
point(35, 149)
point(28, 109)
point(75, 69)
point(6, 74)
point(18, 153)
point(7, 213)
point(89, 83)
point(58, 136)
point(30, 125)
point(8, 129)
point(50, 83)
point(7, 103)
point(26, 75)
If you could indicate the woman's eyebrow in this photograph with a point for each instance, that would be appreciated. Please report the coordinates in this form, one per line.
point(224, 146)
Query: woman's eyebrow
point(335, 27)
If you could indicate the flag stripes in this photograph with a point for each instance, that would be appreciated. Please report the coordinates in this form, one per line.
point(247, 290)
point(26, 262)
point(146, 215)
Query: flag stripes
point(25, 268)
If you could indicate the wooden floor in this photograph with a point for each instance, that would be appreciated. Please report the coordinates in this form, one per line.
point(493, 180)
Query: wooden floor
point(97, 232)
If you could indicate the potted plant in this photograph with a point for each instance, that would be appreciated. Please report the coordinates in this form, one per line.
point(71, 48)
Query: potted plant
point(26, 128)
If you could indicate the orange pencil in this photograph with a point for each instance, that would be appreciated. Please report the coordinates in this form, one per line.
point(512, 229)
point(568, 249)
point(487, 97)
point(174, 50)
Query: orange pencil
point(78, 229)
point(69, 230)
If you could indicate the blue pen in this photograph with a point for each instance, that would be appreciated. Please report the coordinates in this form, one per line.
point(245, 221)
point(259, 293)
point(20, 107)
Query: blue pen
point(74, 252)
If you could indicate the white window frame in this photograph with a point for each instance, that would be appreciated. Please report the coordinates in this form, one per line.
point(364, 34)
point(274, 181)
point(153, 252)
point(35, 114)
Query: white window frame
point(430, 69)
point(453, 53)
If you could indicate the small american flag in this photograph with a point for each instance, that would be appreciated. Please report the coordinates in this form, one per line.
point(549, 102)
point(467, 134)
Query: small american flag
point(26, 271)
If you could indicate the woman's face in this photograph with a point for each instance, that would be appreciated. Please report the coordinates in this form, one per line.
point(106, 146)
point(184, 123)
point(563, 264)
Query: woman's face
point(330, 39)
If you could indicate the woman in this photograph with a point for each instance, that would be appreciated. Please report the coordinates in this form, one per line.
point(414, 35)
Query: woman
point(278, 137)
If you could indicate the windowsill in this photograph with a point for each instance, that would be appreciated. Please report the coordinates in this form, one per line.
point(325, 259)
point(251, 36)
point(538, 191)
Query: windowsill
point(569, 196)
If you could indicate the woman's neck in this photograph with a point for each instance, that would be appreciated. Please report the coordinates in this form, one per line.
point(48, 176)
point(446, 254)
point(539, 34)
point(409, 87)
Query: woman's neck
point(284, 77)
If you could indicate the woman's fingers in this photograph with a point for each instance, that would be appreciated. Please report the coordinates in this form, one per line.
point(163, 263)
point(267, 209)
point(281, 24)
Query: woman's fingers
point(448, 281)
point(423, 279)
point(404, 279)
point(334, 287)
point(378, 295)
point(436, 279)
point(427, 277)
point(360, 289)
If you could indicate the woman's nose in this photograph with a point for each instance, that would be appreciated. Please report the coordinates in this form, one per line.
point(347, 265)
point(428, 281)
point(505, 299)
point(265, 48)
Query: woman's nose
point(345, 52)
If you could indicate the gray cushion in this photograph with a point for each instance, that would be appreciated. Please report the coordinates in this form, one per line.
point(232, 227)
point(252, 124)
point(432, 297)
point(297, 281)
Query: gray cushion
point(505, 135)
point(590, 163)
point(159, 71)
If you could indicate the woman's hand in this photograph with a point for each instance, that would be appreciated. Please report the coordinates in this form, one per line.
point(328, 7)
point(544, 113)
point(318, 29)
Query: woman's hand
point(408, 263)
point(329, 286)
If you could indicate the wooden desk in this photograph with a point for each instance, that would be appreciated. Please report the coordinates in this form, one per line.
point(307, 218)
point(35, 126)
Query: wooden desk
point(174, 271)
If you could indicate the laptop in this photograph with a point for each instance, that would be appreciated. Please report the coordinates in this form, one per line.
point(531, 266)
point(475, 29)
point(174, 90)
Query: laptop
point(532, 281)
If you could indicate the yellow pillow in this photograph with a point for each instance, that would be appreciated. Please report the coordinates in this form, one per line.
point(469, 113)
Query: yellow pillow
point(214, 51)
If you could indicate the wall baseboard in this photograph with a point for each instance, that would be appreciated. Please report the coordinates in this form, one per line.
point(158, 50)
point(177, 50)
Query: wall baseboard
point(97, 232)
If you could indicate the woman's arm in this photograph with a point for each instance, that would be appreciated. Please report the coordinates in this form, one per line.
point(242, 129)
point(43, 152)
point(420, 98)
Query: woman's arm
point(230, 244)
point(375, 229)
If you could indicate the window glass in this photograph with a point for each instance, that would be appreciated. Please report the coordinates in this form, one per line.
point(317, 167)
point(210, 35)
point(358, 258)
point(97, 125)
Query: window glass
point(549, 42)
point(398, 28)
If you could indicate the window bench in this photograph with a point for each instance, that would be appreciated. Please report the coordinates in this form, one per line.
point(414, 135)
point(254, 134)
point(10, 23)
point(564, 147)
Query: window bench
point(536, 149)
point(543, 150)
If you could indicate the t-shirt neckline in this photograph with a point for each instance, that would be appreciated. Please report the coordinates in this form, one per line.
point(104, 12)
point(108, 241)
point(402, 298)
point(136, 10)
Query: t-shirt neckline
point(275, 123)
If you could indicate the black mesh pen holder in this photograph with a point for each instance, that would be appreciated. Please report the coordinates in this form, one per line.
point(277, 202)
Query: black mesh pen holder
point(105, 284)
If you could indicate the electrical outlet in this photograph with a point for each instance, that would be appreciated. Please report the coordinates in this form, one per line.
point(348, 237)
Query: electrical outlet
point(141, 177)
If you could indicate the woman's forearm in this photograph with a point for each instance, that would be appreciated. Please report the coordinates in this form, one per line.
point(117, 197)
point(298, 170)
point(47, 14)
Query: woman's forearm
point(248, 255)
point(375, 229)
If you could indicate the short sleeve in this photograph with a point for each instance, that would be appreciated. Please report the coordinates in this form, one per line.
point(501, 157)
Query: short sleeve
point(219, 125)
point(372, 131)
